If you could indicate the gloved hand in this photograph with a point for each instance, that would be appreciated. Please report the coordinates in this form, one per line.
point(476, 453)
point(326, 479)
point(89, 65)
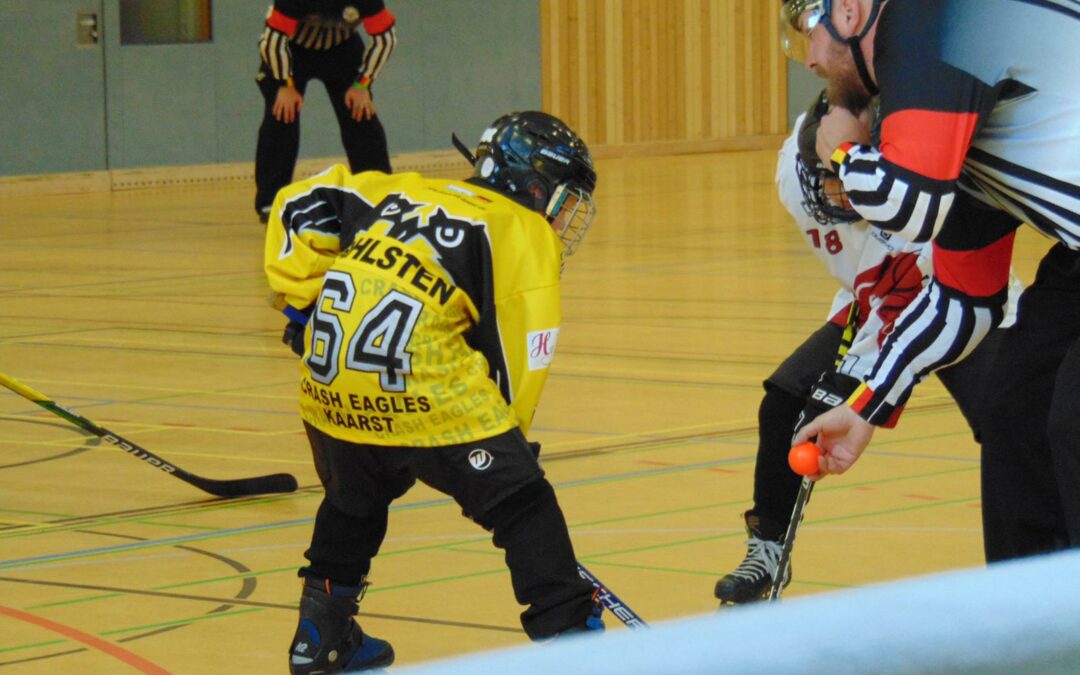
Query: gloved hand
point(831, 390)
point(294, 337)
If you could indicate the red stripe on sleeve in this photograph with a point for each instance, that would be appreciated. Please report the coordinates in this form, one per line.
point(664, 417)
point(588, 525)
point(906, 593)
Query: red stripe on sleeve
point(282, 23)
point(979, 273)
point(378, 23)
point(928, 142)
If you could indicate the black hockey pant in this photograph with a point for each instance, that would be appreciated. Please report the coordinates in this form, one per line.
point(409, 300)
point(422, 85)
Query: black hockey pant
point(509, 496)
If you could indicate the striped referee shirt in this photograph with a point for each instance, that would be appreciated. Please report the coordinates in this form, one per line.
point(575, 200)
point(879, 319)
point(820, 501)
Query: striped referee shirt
point(984, 107)
point(324, 24)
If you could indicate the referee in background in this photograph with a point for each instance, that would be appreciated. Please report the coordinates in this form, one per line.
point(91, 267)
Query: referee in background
point(320, 39)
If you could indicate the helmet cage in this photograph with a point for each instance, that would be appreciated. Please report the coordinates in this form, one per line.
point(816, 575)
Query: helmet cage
point(570, 212)
point(824, 198)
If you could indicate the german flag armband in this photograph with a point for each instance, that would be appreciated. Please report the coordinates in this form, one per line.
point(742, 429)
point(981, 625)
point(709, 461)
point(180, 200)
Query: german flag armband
point(840, 156)
point(872, 408)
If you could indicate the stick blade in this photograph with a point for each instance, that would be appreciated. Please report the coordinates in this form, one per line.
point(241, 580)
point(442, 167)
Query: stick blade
point(243, 487)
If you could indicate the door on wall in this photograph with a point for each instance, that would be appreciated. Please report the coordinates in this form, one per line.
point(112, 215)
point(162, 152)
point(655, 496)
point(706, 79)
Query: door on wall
point(52, 87)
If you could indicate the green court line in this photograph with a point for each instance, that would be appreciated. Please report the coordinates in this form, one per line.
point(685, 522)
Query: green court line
point(229, 577)
point(439, 580)
point(734, 502)
point(594, 557)
point(482, 537)
point(660, 444)
point(729, 535)
point(64, 603)
point(34, 645)
point(668, 570)
point(182, 622)
point(651, 568)
point(654, 568)
point(22, 512)
point(151, 544)
point(181, 526)
point(120, 520)
point(305, 522)
point(166, 587)
point(135, 629)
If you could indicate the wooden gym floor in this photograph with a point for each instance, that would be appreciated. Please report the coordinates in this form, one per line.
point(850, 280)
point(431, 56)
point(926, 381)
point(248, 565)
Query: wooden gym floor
point(147, 312)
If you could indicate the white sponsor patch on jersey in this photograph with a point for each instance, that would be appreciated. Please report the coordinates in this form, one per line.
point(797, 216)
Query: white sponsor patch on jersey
point(541, 346)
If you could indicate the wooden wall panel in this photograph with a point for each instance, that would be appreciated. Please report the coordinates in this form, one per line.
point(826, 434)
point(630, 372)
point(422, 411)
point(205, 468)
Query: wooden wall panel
point(676, 75)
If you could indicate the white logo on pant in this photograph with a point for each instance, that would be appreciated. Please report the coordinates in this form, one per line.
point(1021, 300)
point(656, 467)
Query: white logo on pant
point(480, 459)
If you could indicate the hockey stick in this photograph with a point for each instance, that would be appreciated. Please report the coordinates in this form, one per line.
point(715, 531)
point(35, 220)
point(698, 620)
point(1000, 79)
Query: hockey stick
point(612, 601)
point(807, 485)
point(805, 488)
point(278, 482)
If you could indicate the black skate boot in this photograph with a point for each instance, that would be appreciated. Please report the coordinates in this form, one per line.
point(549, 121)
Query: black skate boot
point(328, 640)
point(753, 578)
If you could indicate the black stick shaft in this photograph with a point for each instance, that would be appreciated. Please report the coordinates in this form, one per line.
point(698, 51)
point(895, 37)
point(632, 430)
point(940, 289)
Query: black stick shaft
point(616, 606)
point(805, 489)
point(279, 482)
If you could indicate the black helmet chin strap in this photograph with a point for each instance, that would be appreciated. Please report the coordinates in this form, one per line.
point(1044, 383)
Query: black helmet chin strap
point(853, 44)
point(860, 65)
point(462, 148)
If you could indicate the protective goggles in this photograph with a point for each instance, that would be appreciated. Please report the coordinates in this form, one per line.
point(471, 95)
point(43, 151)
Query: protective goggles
point(798, 19)
point(571, 212)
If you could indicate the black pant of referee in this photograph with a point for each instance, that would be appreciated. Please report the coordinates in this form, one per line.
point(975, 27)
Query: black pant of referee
point(279, 143)
point(497, 482)
point(1031, 434)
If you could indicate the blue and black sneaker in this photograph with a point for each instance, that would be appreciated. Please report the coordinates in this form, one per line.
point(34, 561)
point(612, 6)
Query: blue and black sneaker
point(327, 638)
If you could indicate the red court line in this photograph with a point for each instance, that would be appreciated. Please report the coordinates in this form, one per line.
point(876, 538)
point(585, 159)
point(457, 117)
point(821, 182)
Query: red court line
point(131, 659)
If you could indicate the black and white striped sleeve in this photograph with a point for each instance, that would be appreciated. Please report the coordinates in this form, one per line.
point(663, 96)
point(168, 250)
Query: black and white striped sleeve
point(378, 52)
point(379, 24)
point(940, 327)
point(891, 197)
point(275, 53)
point(966, 298)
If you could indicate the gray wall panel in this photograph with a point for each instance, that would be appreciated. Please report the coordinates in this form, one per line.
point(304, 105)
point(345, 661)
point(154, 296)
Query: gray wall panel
point(52, 92)
point(457, 65)
point(803, 86)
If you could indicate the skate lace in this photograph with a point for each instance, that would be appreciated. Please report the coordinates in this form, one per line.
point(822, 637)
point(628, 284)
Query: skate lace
point(762, 559)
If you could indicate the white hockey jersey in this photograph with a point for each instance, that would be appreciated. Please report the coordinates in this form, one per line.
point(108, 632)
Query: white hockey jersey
point(865, 261)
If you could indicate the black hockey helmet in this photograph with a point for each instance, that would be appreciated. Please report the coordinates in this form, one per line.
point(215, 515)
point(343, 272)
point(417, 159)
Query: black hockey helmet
point(538, 161)
point(824, 198)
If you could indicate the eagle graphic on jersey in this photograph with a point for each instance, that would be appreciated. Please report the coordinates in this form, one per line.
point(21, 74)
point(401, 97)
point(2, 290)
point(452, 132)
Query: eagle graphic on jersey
point(415, 337)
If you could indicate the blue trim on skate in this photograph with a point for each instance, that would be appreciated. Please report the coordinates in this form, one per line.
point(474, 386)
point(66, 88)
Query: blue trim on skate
point(313, 631)
point(373, 653)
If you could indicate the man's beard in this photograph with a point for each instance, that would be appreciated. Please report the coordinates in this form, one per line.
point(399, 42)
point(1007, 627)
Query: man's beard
point(846, 88)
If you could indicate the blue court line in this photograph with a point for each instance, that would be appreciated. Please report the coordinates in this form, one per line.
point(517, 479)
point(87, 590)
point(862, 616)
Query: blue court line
point(200, 536)
point(659, 471)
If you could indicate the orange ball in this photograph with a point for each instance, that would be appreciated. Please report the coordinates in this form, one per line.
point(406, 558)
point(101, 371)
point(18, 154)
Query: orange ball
point(803, 458)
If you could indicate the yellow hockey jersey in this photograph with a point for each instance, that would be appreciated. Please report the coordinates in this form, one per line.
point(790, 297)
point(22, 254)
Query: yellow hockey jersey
point(434, 305)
